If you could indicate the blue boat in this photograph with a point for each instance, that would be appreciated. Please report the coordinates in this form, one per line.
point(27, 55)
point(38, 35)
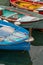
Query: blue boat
point(13, 37)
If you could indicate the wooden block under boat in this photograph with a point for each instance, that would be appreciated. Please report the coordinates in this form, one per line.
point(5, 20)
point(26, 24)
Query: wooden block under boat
point(41, 30)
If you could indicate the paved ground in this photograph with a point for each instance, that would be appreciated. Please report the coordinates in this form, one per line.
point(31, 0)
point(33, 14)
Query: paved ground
point(4, 2)
point(36, 55)
point(36, 51)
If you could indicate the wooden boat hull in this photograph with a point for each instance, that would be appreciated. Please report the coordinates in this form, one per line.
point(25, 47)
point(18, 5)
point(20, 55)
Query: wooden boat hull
point(17, 16)
point(15, 44)
point(25, 4)
point(22, 46)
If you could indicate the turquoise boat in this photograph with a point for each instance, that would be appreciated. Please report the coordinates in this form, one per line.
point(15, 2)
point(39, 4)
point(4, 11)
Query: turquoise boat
point(13, 37)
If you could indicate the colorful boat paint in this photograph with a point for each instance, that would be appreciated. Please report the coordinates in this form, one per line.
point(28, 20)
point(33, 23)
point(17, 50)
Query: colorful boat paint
point(12, 37)
point(15, 16)
point(24, 4)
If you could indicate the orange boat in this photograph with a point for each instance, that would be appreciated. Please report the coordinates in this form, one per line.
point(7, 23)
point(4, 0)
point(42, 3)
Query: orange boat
point(26, 4)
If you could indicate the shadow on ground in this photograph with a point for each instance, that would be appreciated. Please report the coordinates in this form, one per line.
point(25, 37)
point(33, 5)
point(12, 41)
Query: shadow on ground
point(38, 38)
point(15, 58)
